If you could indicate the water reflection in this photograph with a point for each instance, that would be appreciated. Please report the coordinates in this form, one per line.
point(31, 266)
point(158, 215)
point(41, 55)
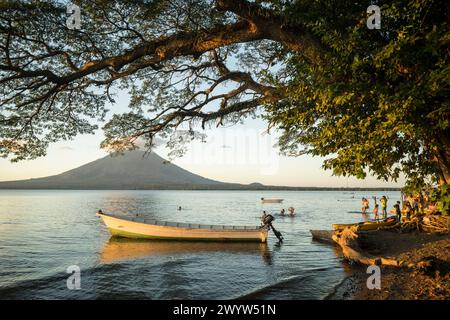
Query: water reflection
point(119, 249)
point(61, 229)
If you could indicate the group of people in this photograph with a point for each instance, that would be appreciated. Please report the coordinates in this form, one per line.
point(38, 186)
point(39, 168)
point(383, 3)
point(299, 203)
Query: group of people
point(419, 203)
point(411, 206)
point(291, 212)
point(365, 207)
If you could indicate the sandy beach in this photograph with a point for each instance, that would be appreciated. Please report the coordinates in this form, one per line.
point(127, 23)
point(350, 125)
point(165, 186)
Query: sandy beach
point(424, 273)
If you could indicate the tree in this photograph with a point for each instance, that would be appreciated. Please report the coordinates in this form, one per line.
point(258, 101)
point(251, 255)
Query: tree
point(371, 100)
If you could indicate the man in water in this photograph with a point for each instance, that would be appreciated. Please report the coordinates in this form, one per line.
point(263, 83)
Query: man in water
point(291, 211)
point(365, 205)
point(282, 212)
point(383, 201)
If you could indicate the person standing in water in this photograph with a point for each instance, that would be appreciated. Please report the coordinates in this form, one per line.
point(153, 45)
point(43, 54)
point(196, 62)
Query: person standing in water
point(383, 201)
point(365, 206)
point(375, 211)
point(291, 211)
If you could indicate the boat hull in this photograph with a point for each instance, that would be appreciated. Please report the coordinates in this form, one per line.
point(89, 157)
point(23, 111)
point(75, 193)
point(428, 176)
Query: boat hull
point(272, 201)
point(141, 230)
point(323, 235)
point(367, 226)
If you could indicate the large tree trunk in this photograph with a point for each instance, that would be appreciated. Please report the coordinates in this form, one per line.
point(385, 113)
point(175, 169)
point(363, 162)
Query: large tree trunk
point(442, 157)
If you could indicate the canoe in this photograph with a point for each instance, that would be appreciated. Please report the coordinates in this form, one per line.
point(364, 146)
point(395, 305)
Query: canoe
point(273, 200)
point(323, 235)
point(366, 226)
point(143, 228)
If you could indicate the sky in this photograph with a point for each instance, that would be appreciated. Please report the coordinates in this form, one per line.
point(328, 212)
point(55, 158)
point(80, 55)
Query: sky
point(241, 154)
point(237, 154)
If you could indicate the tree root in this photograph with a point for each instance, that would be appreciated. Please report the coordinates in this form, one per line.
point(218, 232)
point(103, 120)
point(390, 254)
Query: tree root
point(431, 223)
point(347, 240)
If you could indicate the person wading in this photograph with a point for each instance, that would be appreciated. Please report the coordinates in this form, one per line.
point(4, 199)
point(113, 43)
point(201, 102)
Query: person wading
point(383, 201)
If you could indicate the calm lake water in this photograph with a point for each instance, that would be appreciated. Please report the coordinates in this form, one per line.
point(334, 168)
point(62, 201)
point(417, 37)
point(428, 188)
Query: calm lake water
point(42, 233)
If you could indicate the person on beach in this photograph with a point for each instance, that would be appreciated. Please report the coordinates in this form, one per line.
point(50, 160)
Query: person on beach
point(383, 201)
point(408, 210)
point(375, 211)
point(415, 205)
point(398, 211)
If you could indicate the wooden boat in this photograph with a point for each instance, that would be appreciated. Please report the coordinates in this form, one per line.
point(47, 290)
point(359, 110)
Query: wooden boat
point(366, 226)
point(273, 200)
point(143, 228)
point(323, 235)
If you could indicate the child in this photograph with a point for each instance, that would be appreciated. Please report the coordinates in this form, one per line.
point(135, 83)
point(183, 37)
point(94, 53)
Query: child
point(375, 211)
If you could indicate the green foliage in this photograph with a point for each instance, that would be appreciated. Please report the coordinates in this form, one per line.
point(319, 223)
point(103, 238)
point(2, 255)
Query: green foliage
point(369, 101)
point(379, 98)
point(442, 198)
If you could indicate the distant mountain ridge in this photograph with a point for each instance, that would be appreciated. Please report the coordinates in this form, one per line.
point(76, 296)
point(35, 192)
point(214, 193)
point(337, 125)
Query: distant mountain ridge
point(141, 171)
point(132, 170)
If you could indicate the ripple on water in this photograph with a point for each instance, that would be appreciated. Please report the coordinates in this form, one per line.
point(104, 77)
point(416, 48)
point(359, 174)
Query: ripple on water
point(44, 232)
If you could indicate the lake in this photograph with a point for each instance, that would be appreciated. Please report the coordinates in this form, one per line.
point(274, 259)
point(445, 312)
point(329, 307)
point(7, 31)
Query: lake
point(43, 232)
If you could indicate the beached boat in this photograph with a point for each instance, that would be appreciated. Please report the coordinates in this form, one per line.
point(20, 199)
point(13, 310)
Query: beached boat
point(366, 226)
point(323, 235)
point(272, 200)
point(143, 228)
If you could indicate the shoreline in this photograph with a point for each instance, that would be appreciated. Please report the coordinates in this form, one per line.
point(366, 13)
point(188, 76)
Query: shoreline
point(425, 275)
point(344, 290)
point(268, 188)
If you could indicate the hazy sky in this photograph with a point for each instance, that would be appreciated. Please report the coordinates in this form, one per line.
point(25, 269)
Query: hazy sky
point(241, 154)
